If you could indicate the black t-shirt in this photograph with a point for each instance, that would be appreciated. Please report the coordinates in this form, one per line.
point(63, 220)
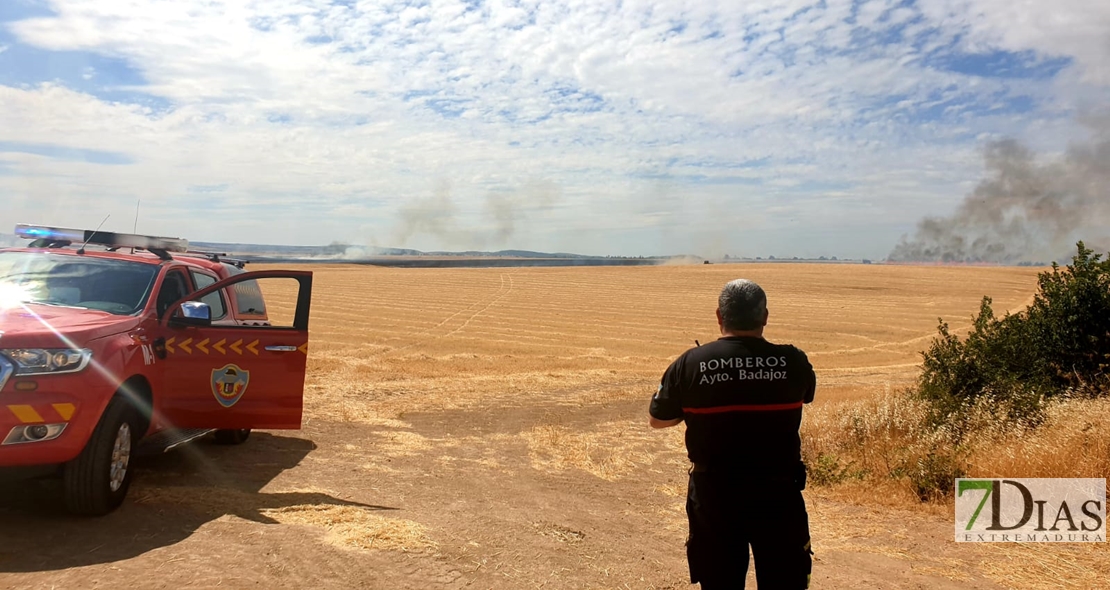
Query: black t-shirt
point(741, 398)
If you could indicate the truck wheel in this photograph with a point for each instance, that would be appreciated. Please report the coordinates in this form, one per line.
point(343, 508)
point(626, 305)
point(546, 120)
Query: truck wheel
point(232, 437)
point(96, 482)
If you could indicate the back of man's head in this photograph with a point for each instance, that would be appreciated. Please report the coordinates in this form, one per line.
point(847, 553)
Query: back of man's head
point(743, 305)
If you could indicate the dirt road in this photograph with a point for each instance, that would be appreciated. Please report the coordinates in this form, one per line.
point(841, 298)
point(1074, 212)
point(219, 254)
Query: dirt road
point(311, 510)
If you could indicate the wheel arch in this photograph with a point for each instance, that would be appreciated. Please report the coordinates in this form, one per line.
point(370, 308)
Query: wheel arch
point(139, 393)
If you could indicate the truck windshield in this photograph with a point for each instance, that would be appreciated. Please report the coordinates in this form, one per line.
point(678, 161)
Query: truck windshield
point(115, 286)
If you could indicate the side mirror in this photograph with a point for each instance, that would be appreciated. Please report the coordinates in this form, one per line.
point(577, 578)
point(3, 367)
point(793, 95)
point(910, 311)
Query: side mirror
point(193, 313)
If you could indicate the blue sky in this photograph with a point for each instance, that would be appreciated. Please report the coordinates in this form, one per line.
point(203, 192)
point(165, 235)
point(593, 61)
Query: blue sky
point(601, 127)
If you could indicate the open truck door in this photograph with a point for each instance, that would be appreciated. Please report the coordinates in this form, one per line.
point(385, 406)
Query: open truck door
point(237, 376)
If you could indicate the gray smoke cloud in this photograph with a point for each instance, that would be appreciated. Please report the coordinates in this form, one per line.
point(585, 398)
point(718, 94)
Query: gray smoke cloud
point(501, 216)
point(1025, 209)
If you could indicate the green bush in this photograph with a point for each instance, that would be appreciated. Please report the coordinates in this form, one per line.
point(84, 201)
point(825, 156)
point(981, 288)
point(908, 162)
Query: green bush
point(932, 476)
point(828, 470)
point(1059, 345)
point(1070, 320)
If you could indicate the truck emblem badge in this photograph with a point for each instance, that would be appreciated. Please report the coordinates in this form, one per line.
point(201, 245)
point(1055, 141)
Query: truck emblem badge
point(229, 383)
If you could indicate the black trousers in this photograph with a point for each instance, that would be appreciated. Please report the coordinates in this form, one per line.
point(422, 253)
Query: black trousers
point(729, 512)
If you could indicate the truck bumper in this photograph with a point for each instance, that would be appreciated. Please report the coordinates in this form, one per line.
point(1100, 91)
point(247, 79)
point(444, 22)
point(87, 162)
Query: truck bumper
point(19, 410)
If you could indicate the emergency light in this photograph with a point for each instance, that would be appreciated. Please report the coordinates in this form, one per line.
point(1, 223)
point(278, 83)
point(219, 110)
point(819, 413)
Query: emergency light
point(50, 235)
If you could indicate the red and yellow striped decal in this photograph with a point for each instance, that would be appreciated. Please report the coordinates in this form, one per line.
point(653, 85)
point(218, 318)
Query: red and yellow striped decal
point(42, 413)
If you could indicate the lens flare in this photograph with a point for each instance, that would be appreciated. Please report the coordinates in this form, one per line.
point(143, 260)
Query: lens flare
point(97, 368)
point(12, 295)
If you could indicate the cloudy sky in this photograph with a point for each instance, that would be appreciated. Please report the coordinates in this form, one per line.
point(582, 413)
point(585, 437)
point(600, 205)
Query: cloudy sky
point(594, 126)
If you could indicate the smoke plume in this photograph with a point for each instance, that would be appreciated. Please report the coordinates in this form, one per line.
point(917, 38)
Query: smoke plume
point(1024, 210)
point(438, 215)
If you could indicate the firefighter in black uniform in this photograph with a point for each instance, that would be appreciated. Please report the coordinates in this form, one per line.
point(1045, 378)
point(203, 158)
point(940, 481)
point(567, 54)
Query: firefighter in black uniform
point(741, 398)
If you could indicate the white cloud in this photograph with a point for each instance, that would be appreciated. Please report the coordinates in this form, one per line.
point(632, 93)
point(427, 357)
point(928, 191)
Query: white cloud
point(324, 120)
point(1074, 28)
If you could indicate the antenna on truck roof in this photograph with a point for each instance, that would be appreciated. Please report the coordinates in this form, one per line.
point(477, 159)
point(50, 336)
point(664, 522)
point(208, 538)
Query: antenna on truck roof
point(81, 250)
point(135, 228)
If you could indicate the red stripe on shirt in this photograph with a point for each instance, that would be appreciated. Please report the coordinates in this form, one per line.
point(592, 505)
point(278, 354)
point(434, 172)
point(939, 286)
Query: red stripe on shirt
point(744, 408)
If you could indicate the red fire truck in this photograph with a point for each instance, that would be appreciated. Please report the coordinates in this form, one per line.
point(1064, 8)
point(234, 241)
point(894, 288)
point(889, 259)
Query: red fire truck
point(110, 340)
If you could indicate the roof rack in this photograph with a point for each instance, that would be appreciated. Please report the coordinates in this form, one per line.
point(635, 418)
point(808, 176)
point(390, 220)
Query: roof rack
point(219, 257)
point(60, 237)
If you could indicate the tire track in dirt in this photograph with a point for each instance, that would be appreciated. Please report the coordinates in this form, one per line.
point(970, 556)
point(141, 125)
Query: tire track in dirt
point(863, 369)
point(887, 345)
point(486, 308)
point(497, 296)
point(884, 346)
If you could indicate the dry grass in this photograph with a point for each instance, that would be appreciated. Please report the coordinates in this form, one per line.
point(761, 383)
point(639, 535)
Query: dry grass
point(390, 344)
point(884, 438)
point(1048, 567)
point(879, 442)
point(1074, 441)
point(387, 341)
point(559, 533)
point(348, 526)
point(610, 451)
point(352, 527)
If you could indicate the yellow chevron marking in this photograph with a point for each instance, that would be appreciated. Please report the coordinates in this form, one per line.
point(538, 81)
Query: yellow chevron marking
point(26, 414)
point(219, 346)
point(202, 346)
point(169, 345)
point(65, 410)
point(184, 345)
point(303, 348)
point(253, 347)
point(236, 346)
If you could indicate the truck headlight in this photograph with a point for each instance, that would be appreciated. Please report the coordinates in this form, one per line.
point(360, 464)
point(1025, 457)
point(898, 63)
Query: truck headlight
point(48, 361)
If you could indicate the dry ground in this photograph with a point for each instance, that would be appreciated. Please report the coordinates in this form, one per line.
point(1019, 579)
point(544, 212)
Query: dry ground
point(485, 428)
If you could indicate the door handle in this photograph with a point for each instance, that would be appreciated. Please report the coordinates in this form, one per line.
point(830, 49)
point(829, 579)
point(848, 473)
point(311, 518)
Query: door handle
point(281, 348)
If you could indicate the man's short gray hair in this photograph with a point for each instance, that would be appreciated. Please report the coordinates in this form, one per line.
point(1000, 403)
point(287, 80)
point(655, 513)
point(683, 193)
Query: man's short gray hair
point(743, 305)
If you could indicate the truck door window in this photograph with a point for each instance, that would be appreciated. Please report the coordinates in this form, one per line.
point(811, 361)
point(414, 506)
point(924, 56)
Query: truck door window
point(214, 300)
point(174, 287)
point(267, 302)
point(250, 305)
point(248, 298)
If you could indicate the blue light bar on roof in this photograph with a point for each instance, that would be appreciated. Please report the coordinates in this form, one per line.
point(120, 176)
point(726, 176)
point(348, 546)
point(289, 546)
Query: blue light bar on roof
point(103, 238)
point(35, 233)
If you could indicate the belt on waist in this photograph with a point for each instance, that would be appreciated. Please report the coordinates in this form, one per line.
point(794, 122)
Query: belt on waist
point(738, 470)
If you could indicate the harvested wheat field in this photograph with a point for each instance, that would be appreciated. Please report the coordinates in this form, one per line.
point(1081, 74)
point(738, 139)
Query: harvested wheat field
point(486, 428)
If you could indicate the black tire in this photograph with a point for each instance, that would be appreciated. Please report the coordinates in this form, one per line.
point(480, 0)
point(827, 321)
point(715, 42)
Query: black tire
point(96, 482)
point(232, 437)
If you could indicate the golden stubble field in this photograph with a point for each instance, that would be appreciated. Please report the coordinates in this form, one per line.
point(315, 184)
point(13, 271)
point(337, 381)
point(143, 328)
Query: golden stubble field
point(486, 428)
point(451, 337)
